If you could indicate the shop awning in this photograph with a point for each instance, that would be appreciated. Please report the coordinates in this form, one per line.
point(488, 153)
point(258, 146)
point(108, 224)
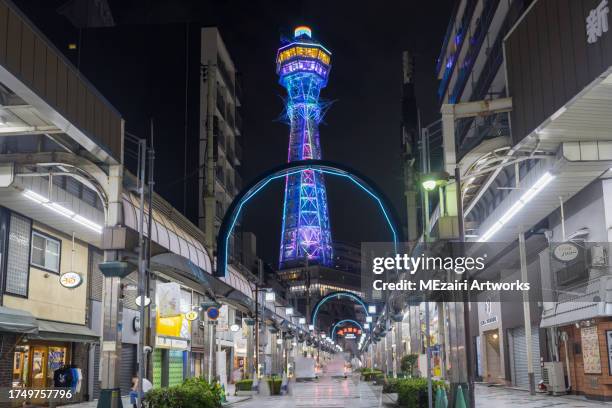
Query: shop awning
point(169, 229)
point(58, 331)
point(17, 321)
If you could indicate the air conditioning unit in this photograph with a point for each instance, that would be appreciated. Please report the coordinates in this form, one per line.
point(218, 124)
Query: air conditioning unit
point(554, 377)
point(598, 256)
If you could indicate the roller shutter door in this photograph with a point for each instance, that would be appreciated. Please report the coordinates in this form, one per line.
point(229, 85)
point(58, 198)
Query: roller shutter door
point(519, 358)
point(127, 367)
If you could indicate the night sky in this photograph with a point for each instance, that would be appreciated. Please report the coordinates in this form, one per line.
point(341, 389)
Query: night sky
point(362, 128)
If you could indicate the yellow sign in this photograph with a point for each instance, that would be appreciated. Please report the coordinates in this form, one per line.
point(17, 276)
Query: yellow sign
point(169, 326)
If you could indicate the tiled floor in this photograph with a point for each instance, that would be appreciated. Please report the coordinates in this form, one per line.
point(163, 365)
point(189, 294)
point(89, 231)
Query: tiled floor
point(500, 397)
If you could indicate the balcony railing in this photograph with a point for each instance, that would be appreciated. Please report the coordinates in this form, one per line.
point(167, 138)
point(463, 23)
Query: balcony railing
point(447, 36)
point(494, 61)
point(227, 78)
point(459, 39)
point(238, 121)
point(221, 102)
point(476, 41)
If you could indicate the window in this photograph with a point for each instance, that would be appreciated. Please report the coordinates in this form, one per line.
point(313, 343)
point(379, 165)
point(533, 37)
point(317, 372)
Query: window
point(45, 252)
point(17, 270)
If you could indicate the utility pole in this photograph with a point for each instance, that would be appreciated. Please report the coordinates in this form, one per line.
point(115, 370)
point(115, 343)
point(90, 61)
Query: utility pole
point(526, 312)
point(470, 363)
point(428, 354)
point(144, 252)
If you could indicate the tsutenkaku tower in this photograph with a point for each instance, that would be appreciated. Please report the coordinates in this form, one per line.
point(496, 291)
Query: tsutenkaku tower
point(303, 67)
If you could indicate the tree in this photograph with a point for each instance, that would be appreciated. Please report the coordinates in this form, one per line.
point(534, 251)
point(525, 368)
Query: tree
point(408, 363)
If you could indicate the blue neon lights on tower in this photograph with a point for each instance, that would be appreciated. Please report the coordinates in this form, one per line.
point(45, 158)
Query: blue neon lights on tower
point(303, 67)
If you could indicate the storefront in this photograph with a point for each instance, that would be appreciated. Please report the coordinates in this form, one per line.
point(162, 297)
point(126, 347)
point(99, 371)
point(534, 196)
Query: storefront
point(586, 352)
point(173, 334)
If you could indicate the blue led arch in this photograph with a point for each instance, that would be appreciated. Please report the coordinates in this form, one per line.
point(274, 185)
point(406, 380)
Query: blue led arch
point(336, 295)
point(334, 169)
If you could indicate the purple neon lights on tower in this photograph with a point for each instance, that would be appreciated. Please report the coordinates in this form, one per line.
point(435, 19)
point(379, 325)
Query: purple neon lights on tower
point(303, 67)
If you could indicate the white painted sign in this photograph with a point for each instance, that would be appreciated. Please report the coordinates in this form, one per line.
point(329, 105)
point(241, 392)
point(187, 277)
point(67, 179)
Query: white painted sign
point(70, 280)
point(565, 252)
point(597, 22)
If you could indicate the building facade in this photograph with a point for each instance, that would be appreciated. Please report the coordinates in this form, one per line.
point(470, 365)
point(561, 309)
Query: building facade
point(534, 165)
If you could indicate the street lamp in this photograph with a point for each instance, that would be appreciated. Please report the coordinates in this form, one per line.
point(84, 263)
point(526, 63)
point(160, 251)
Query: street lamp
point(429, 182)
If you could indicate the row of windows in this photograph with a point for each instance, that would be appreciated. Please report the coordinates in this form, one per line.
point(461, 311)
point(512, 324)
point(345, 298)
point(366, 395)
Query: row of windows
point(308, 52)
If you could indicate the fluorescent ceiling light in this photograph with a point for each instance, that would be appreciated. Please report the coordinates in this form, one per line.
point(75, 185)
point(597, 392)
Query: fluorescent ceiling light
point(89, 224)
point(518, 206)
point(61, 210)
point(35, 196)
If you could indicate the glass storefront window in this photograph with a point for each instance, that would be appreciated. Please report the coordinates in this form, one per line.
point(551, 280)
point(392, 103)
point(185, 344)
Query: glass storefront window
point(55, 361)
point(21, 366)
point(34, 365)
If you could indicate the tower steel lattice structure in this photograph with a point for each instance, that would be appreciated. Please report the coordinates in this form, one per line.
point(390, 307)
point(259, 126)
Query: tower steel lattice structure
point(303, 67)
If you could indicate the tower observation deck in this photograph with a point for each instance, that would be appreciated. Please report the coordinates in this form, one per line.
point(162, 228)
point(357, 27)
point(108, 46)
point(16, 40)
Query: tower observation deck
point(303, 67)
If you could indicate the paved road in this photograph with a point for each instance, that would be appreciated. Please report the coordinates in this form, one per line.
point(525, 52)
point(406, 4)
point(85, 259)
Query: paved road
point(500, 397)
point(350, 393)
point(327, 392)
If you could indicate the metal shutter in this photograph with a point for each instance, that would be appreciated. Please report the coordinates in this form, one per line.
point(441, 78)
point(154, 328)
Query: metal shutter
point(96, 377)
point(97, 279)
point(519, 358)
point(127, 367)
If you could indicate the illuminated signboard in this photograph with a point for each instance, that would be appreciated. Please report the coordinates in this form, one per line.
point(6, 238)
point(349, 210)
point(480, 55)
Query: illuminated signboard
point(349, 331)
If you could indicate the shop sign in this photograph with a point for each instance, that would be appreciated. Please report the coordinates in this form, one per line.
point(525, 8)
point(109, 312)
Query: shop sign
point(609, 343)
point(597, 22)
point(590, 350)
point(566, 252)
point(191, 315)
point(70, 280)
point(168, 299)
point(173, 344)
point(490, 320)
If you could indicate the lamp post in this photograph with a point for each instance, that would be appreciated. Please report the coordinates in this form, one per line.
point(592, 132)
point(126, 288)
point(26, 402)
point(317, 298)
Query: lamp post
point(429, 182)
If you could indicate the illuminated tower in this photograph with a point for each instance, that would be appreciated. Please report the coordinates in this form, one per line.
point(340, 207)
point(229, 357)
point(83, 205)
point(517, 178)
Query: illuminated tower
point(303, 67)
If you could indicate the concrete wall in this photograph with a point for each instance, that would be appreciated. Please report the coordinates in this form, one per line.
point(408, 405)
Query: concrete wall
point(47, 299)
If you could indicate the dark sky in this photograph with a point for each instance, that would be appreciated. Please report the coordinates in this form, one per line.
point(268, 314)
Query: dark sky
point(362, 127)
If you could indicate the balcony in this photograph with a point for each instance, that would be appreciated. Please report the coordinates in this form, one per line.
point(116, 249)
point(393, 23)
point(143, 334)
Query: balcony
point(447, 36)
point(219, 211)
point(227, 78)
point(238, 148)
point(459, 39)
point(238, 123)
point(476, 41)
point(494, 61)
point(220, 175)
